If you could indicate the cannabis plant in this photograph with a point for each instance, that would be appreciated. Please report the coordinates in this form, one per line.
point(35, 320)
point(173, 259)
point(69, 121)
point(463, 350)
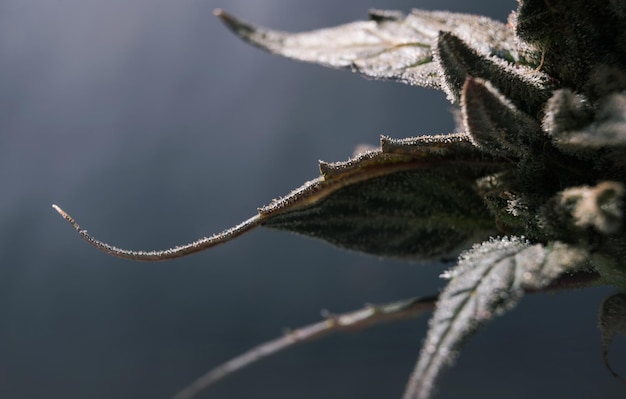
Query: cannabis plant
point(528, 193)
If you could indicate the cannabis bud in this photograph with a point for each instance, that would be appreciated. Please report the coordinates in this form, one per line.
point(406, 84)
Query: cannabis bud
point(528, 194)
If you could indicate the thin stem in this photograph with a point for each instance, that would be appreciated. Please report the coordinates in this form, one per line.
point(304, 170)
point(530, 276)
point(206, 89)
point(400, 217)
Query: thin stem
point(368, 316)
point(352, 321)
point(176, 252)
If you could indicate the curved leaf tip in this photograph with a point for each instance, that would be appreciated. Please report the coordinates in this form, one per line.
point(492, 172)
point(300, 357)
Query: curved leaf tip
point(612, 322)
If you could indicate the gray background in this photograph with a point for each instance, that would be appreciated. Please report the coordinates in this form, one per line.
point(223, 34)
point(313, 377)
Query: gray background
point(153, 125)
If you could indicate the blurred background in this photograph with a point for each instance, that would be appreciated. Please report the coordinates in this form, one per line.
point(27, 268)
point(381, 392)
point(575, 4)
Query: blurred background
point(153, 125)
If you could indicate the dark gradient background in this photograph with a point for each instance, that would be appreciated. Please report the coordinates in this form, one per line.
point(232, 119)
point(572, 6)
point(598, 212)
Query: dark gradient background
point(152, 125)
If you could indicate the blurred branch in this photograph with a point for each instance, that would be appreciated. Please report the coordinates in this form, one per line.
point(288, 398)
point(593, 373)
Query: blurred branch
point(352, 321)
point(368, 316)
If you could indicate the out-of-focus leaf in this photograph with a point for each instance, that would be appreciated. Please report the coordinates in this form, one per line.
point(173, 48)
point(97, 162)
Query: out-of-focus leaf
point(565, 112)
point(612, 321)
point(390, 46)
point(489, 280)
point(414, 198)
point(598, 207)
point(607, 132)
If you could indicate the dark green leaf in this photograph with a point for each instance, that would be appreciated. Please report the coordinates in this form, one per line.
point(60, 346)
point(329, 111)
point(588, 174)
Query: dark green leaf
point(416, 198)
point(494, 123)
point(574, 36)
point(526, 88)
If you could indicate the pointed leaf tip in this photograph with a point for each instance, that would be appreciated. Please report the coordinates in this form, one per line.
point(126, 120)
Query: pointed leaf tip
point(237, 26)
point(495, 124)
point(176, 252)
point(459, 60)
point(66, 216)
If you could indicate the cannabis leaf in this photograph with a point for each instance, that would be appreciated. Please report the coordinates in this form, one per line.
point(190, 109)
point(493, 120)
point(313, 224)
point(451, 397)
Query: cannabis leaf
point(380, 213)
point(495, 125)
point(488, 280)
point(369, 203)
point(576, 36)
point(390, 45)
point(539, 161)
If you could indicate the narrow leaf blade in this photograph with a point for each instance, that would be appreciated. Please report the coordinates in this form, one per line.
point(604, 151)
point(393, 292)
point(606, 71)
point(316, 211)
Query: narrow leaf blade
point(525, 87)
point(495, 124)
point(412, 199)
